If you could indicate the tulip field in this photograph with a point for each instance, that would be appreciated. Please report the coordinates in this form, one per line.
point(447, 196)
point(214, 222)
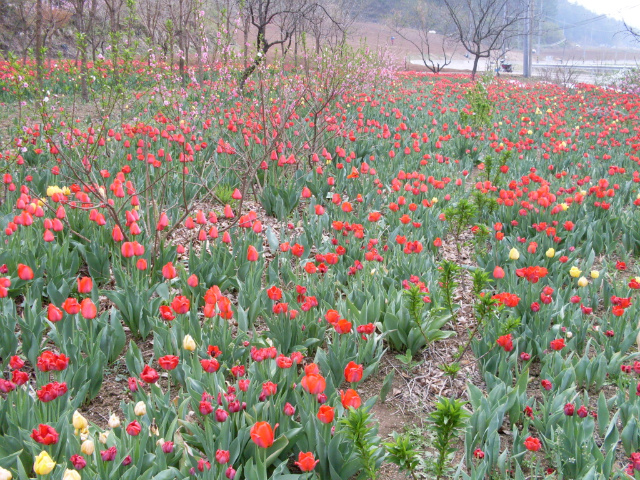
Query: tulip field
point(201, 282)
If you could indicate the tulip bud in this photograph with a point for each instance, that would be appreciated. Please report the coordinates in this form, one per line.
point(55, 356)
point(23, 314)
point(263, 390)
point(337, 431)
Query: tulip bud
point(514, 254)
point(498, 272)
point(569, 409)
point(114, 421)
point(550, 253)
point(583, 282)
point(595, 274)
point(5, 474)
point(43, 464)
point(71, 475)
point(167, 447)
point(188, 343)
point(88, 447)
point(79, 422)
point(140, 409)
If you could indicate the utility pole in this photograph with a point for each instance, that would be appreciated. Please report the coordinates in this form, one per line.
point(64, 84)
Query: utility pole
point(526, 70)
point(528, 30)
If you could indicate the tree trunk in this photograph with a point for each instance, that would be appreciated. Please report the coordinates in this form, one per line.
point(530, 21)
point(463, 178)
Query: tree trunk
point(113, 25)
point(475, 66)
point(246, 41)
point(39, 43)
point(181, 42)
point(94, 6)
point(83, 71)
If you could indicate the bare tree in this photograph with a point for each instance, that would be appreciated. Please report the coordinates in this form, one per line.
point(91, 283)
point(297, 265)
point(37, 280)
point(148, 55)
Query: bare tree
point(286, 14)
point(430, 29)
point(39, 42)
point(331, 21)
point(483, 26)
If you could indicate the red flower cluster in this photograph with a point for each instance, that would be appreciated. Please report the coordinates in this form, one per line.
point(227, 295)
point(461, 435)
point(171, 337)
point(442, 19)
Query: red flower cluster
point(50, 362)
point(507, 299)
point(532, 274)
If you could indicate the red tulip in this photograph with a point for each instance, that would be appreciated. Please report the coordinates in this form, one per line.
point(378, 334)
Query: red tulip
point(71, 306)
point(149, 375)
point(313, 383)
point(557, 344)
point(306, 462)
point(116, 234)
point(169, 271)
point(353, 372)
point(85, 285)
point(222, 456)
point(6, 386)
point(134, 428)
point(16, 362)
point(88, 309)
point(343, 326)
point(51, 391)
point(166, 313)
point(180, 304)
point(19, 378)
point(274, 293)
point(205, 407)
point(532, 444)
point(262, 434)
point(109, 455)
point(50, 362)
point(25, 272)
point(45, 435)
point(498, 272)
point(54, 314)
point(506, 342)
point(168, 362)
point(350, 398)
point(325, 414)
point(252, 254)
point(127, 250)
point(210, 366)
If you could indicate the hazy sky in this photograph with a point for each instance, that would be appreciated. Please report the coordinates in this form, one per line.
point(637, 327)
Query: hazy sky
point(628, 10)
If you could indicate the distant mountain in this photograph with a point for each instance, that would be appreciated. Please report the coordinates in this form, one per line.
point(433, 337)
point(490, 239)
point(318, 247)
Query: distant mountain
point(556, 20)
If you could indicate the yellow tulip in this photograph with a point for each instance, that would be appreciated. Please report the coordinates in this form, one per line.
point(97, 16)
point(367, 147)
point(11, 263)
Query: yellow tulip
point(583, 282)
point(5, 474)
point(79, 422)
point(550, 253)
point(595, 274)
point(188, 343)
point(514, 254)
point(53, 189)
point(71, 475)
point(43, 464)
point(102, 438)
point(87, 447)
point(575, 272)
point(114, 421)
point(140, 409)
